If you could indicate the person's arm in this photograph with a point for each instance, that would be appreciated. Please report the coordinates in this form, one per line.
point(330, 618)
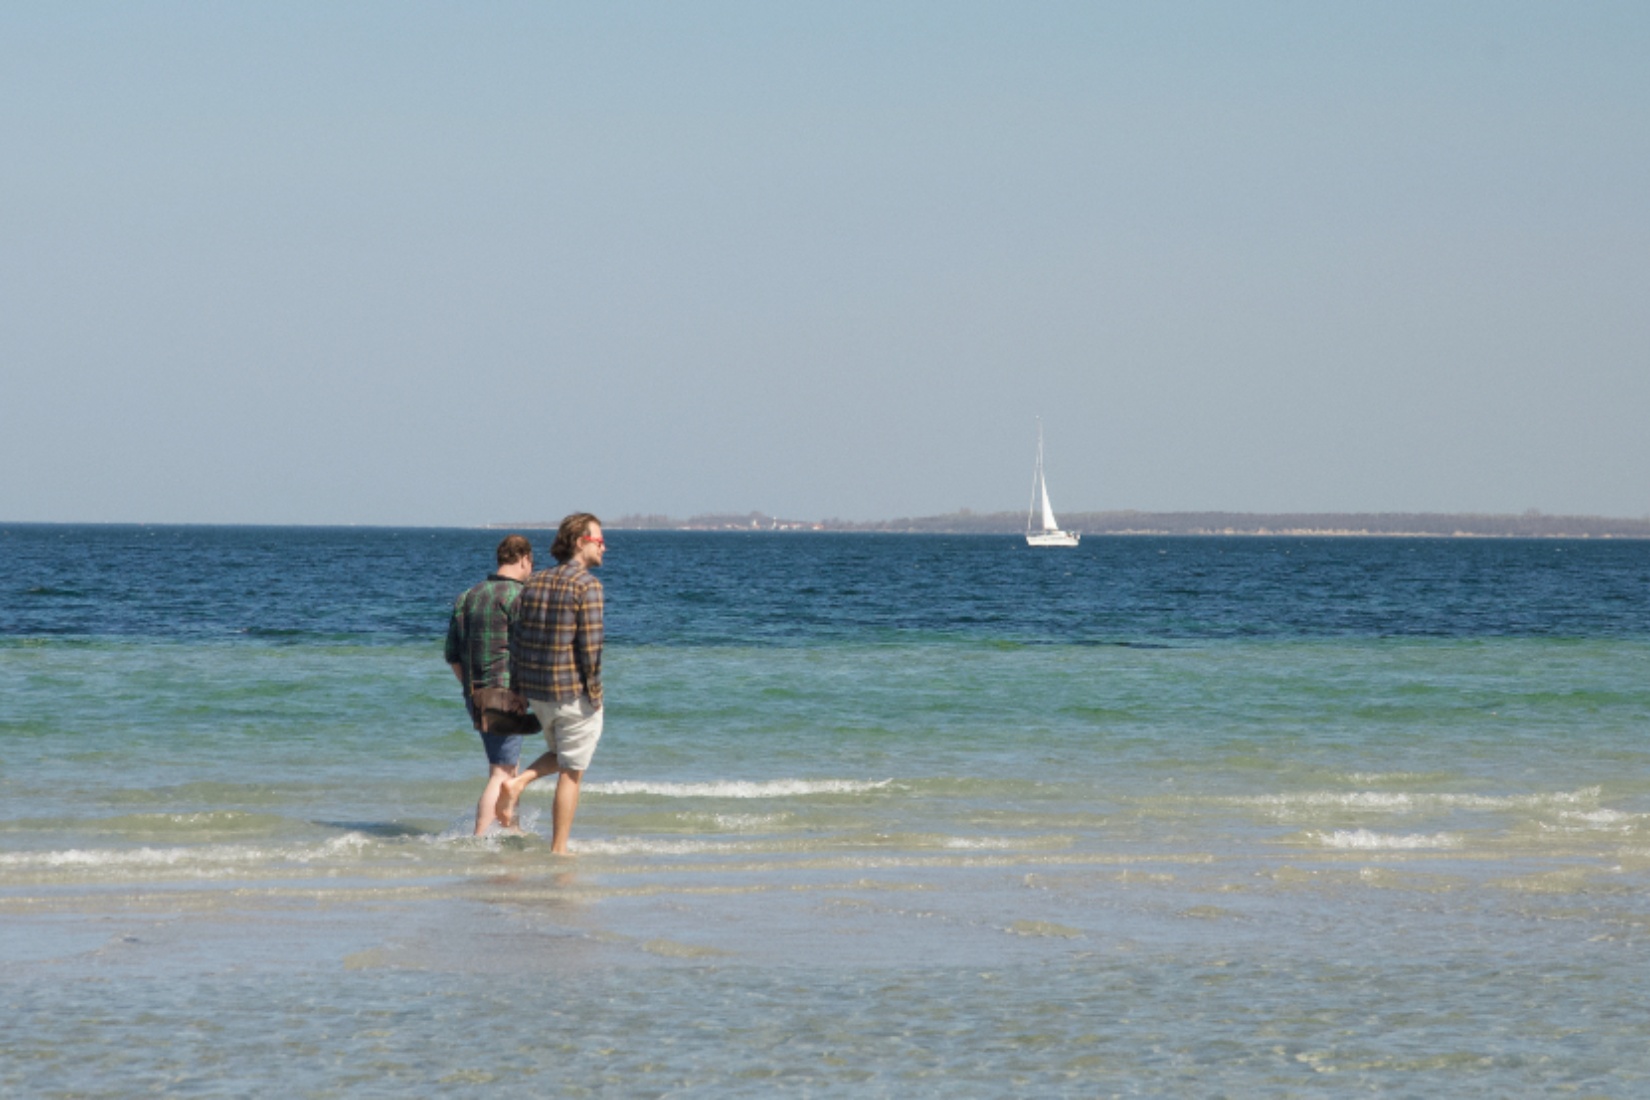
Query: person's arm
point(587, 643)
point(454, 650)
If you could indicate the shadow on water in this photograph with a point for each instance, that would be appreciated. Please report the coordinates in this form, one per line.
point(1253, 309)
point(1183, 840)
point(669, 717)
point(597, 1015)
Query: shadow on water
point(385, 829)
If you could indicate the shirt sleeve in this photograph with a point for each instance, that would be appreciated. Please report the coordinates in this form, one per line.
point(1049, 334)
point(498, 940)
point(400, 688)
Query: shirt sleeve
point(588, 643)
point(455, 636)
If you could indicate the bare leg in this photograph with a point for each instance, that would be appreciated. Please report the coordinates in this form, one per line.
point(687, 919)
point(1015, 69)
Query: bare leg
point(561, 815)
point(509, 793)
point(497, 776)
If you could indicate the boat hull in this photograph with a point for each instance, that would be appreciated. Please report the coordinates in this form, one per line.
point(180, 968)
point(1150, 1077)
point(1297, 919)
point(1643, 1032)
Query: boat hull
point(1052, 538)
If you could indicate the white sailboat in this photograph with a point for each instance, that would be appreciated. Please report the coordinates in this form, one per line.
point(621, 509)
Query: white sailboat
point(1050, 534)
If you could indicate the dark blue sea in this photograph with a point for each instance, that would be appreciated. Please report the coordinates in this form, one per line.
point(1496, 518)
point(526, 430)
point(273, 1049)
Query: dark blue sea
point(874, 815)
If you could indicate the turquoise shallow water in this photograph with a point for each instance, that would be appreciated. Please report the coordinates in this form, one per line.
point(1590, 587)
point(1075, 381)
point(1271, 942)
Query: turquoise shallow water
point(874, 816)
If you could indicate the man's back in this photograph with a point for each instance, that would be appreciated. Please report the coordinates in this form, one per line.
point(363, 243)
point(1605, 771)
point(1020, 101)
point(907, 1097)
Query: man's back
point(478, 634)
point(556, 635)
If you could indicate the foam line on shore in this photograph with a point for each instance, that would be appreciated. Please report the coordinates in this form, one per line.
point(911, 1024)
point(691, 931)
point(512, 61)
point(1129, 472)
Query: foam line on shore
point(773, 788)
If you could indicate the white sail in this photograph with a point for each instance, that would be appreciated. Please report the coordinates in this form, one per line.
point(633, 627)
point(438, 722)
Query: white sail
point(1049, 523)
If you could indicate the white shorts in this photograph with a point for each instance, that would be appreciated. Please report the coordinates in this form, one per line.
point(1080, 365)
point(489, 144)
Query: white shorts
point(571, 729)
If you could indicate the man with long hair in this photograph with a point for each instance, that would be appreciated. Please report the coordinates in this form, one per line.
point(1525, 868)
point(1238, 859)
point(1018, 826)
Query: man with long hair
point(556, 664)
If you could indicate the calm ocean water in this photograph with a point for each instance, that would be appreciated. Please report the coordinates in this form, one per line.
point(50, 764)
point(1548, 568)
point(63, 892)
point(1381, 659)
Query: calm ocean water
point(874, 816)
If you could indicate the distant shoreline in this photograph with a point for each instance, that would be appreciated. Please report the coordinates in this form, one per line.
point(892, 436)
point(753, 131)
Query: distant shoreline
point(1305, 524)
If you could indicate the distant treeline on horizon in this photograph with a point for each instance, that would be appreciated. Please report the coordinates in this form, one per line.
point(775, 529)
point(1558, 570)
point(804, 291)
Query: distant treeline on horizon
point(1532, 524)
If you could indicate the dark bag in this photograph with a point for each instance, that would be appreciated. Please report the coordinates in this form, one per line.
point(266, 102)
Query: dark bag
point(501, 710)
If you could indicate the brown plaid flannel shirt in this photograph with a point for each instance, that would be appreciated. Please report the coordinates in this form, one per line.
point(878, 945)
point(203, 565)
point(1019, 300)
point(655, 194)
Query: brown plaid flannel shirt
point(556, 636)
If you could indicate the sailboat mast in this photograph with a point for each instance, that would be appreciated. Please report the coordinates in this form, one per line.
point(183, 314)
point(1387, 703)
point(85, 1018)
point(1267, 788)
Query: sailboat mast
point(1036, 476)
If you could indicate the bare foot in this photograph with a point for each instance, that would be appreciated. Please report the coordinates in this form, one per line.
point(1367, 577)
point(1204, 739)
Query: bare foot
point(505, 808)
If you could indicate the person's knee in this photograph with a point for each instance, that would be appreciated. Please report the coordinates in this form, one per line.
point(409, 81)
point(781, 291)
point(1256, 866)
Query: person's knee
point(572, 774)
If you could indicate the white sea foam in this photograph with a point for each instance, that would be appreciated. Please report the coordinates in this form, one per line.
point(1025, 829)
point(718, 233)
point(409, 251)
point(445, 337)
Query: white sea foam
point(1378, 779)
point(346, 843)
point(1005, 843)
point(1347, 800)
point(1602, 819)
point(131, 857)
point(1364, 839)
point(461, 829)
point(773, 788)
point(1403, 802)
point(200, 859)
point(655, 847)
point(738, 822)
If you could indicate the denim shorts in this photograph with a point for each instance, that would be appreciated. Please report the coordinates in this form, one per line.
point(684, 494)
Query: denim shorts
point(502, 748)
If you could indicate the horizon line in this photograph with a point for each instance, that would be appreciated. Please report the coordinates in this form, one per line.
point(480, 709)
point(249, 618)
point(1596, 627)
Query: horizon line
point(986, 522)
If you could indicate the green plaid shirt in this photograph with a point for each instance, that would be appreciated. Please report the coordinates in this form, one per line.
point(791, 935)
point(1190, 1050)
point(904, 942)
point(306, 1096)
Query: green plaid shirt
point(478, 635)
point(556, 637)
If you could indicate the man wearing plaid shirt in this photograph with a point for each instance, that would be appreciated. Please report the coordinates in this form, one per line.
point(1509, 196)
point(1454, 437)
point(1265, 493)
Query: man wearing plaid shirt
point(556, 663)
point(478, 649)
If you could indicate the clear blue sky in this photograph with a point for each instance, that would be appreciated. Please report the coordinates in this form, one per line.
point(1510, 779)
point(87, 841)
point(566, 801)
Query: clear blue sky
point(455, 263)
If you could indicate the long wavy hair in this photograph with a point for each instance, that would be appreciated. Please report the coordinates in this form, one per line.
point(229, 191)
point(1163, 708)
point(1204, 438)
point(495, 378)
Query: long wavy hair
point(572, 529)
